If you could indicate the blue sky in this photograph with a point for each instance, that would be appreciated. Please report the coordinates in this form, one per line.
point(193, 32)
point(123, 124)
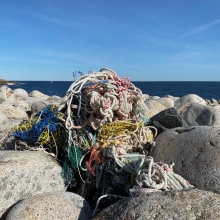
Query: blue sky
point(149, 40)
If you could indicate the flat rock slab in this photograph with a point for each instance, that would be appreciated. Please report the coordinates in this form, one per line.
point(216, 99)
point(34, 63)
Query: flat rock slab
point(60, 205)
point(169, 205)
point(27, 173)
point(195, 152)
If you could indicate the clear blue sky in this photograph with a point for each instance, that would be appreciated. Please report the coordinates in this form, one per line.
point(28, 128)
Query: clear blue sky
point(150, 40)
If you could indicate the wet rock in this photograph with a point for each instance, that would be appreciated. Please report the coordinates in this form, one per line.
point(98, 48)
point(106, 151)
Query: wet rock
point(13, 112)
point(6, 93)
point(167, 119)
point(195, 152)
point(27, 173)
point(38, 95)
point(20, 93)
point(59, 205)
point(181, 205)
point(167, 102)
point(198, 114)
point(185, 102)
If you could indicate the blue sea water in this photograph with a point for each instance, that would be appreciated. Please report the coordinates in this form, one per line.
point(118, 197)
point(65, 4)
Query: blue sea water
point(206, 90)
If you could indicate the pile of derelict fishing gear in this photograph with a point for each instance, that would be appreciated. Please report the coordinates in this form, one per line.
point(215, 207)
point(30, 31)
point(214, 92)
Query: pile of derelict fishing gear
point(100, 133)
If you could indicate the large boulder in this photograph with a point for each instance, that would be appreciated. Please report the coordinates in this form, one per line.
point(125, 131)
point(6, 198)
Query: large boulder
point(7, 140)
point(38, 95)
point(20, 93)
point(181, 205)
point(198, 114)
point(37, 106)
point(195, 152)
point(13, 112)
point(27, 173)
point(167, 102)
point(167, 119)
point(6, 93)
point(3, 118)
point(186, 101)
point(58, 205)
point(174, 98)
point(154, 107)
point(20, 103)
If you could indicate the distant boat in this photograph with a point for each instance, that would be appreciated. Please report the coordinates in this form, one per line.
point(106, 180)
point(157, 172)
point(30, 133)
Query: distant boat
point(51, 81)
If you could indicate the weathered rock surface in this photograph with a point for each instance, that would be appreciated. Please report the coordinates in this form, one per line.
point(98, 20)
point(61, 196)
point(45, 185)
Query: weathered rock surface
point(20, 93)
point(195, 152)
point(37, 106)
point(167, 119)
point(27, 173)
point(13, 112)
point(198, 114)
point(167, 102)
point(174, 98)
point(60, 205)
point(186, 101)
point(154, 107)
point(6, 134)
point(175, 205)
point(38, 95)
point(3, 118)
point(24, 105)
point(154, 97)
point(6, 93)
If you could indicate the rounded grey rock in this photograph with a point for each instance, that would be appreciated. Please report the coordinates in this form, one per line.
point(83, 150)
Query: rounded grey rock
point(181, 205)
point(57, 205)
point(205, 115)
point(195, 152)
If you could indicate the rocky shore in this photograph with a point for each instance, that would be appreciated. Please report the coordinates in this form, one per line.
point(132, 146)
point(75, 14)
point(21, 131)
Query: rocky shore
point(31, 186)
point(6, 82)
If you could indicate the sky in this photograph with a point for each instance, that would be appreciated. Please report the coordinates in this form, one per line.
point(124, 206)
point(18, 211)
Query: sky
point(145, 40)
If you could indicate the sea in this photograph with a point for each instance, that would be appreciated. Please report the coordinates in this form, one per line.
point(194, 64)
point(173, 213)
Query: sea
point(206, 90)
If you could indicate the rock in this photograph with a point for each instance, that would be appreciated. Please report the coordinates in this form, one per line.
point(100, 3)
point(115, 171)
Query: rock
point(154, 107)
point(3, 118)
point(195, 152)
point(38, 95)
point(167, 102)
point(6, 134)
point(37, 106)
point(181, 205)
point(20, 103)
point(27, 173)
point(214, 101)
point(6, 93)
point(167, 119)
point(198, 114)
point(13, 112)
point(154, 97)
point(20, 93)
point(60, 205)
point(174, 98)
point(145, 96)
point(183, 103)
point(55, 100)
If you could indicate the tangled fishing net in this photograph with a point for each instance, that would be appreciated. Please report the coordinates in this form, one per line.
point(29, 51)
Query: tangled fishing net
point(100, 133)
